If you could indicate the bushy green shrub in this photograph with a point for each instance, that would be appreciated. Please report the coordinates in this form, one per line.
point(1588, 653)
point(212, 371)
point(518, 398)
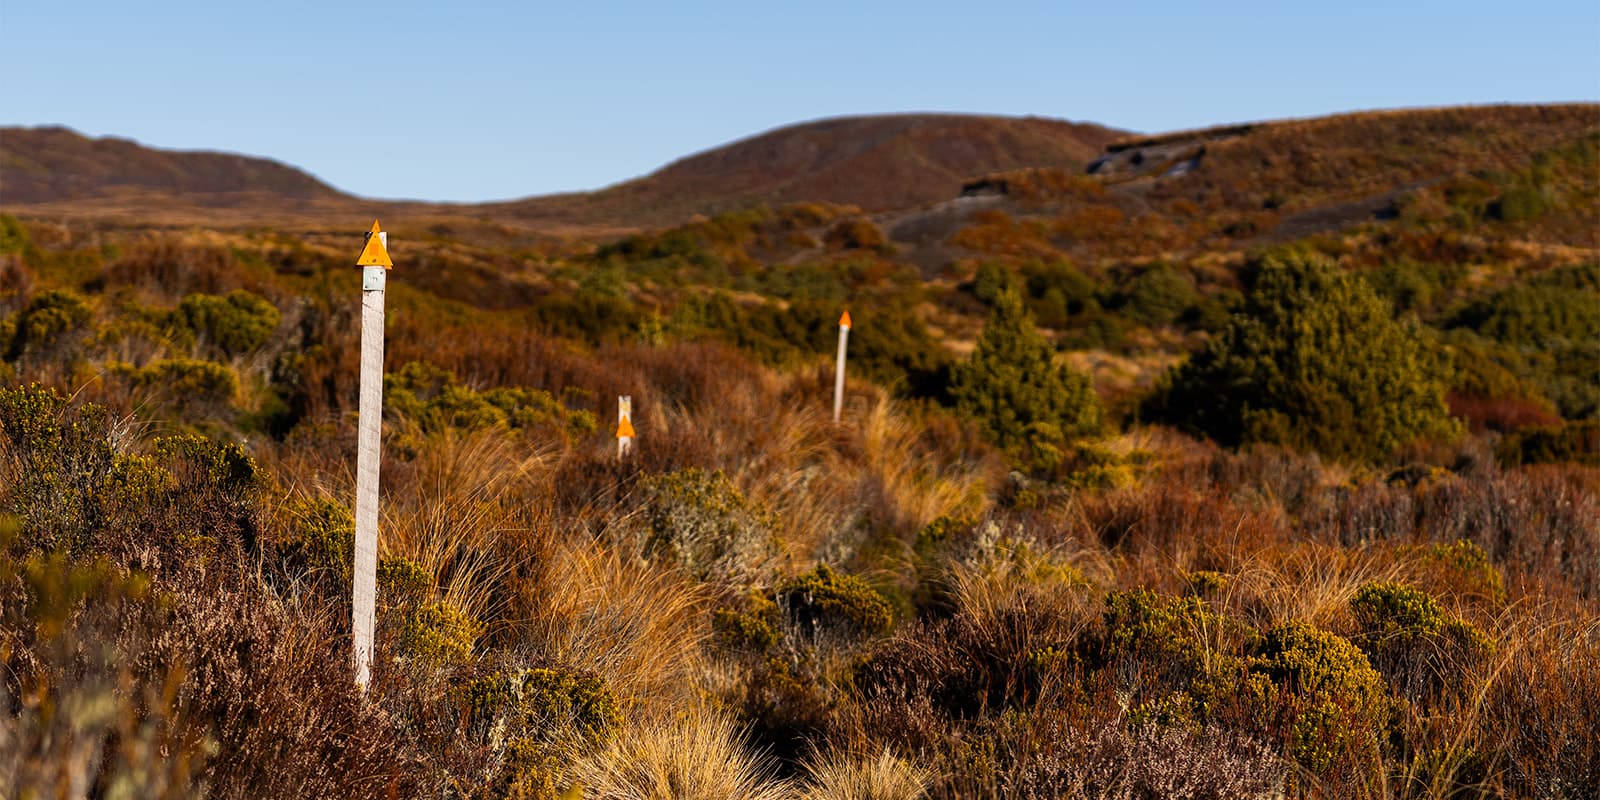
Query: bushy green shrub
point(50, 326)
point(1180, 655)
point(403, 582)
point(59, 461)
point(824, 599)
point(1533, 315)
point(1575, 442)
point(232, 325)
point(438, 634)
point(1158, 296)
point(1413, 642)
point(538, 718)
point(1027, 404)
point(321, 536)
point(1461, 569)
point(197, 389)
point(753, 625)
point(702, 522)
point(1317, 694)
point(1313, 360)
point(435, 401)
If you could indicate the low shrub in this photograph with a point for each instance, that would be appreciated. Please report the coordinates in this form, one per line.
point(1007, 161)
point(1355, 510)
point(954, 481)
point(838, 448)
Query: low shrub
point(824, 599)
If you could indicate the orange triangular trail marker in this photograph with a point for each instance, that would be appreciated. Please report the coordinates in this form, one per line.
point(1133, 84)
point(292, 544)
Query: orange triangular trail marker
point(844, 321)
point(625, 429)
point(376, 253)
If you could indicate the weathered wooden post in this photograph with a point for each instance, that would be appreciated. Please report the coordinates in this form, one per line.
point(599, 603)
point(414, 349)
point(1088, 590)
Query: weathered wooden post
point(624, 426)
point(375, 265)
point(838, 381)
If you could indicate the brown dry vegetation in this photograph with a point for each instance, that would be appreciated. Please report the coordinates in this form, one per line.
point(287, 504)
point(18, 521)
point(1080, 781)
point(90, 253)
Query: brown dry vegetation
point(761, 603)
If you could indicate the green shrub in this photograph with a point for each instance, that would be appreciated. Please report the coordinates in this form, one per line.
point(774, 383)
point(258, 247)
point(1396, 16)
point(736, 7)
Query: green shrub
point(435, 401)
point(1317, 694)
point(438, 634)
point(824, 599)
point(321, 536)
point(1413, 642)
point(1460, 569)
point(1028, 405)
point(401, 581)
point(50, 326)
point(1576, 442)
point(1534, 315)
point(750, 626)
point(701, 521)
point(197, 389)
point(59, 461)
point(233, 325)
point(538, 719)
point(1158, 296)
point(1315, 361)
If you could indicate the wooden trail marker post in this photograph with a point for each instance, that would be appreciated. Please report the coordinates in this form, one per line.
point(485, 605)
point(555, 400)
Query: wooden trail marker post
point(375, 265)
point(838, 381)
point(624, 426)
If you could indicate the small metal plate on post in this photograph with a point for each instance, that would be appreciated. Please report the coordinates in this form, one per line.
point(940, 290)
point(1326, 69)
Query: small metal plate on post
point(372, 278)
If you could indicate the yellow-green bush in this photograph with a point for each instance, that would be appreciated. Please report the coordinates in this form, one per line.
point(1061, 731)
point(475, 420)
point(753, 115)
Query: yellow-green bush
point(403, 582)
point(50, 326)
point(824, 599)
point(438, 634)
point(1419, 647)
point(1319, 697)
point(196, 389)
point(539, 718)
point(703, 522)
point(321, 536)
point(232, 325)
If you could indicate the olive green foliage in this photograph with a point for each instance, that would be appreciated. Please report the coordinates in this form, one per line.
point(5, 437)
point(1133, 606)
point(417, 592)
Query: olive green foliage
point(73, 491)
point(401, 581)
point(1158, 296)
point(231, 325)
point(1412, 641)
point(753, 625)
point(701, 521)
point(1026, 403)
point(435, 401)
point(538, 718)
point(185, 386)
point(438, 634)
point(1320, 695)
point(321, 537)
point(824, 599)
point(1460, 569)
point(1179, 649)
point(14, 236)
point(1577, 442)
point(49, 326)
point(1534, 315)
point(59, 462)
point(1313, 360)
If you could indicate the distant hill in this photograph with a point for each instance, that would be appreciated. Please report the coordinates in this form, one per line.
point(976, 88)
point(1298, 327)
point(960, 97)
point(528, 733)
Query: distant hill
point(879, 163)
point(50, 164)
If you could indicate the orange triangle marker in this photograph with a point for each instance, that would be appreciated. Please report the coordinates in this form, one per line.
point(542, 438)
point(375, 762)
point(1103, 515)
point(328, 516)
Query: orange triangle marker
point(625, 429)
point(376, 253)
point(844, 321)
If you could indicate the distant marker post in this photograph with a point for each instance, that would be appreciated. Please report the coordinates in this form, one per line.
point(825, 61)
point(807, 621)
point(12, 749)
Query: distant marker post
point(375, 265)
point(838, 380)
point(624, 426)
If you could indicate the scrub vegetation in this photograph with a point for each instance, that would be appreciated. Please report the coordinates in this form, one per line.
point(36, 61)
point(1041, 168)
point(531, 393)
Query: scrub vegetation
point(1150, 483)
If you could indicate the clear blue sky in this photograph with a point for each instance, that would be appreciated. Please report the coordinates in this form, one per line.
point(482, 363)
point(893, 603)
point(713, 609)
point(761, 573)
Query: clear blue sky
point(472, 101)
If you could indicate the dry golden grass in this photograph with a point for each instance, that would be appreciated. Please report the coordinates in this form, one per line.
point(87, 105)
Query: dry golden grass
point(694, 755)
point(847, 776)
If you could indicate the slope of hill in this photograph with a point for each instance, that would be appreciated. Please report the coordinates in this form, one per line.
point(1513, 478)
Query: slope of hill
point(53, 163)
point(876, 162)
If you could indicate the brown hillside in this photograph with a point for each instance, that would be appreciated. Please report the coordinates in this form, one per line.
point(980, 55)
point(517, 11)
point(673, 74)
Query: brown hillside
point(876, 162)
point(47, 164)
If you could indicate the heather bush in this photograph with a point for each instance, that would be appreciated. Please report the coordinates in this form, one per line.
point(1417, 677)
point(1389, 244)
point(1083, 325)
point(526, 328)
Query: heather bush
point(1159, 295)
point(1314, 361)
